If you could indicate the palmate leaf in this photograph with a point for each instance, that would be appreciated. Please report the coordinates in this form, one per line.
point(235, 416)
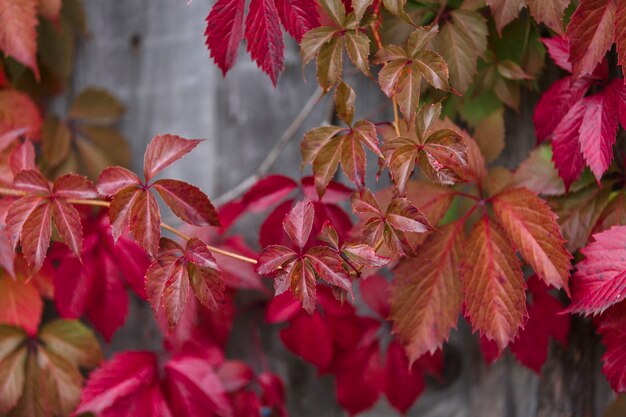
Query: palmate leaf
point(493, 284)
point(29, 219)
point(178, 269)
point(134, 205)
point(405, 67)
point(390, 228)
point(325, 150)
point(45, 378)
point(298, 269)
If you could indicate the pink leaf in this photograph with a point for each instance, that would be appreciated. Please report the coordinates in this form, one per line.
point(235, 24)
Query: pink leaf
point(145, 221)
point(124, 376)
point(36, 235)
point(32, 181)
point(67, 222)
point(556, 102)
point(74, 186)
point(611, 326)
point(163, 151)
point(114, 179)
point(600, 279)
point(264, 37)
point(567, 156)
point(558, 49)
point(308, 337)
point(375, 293)
point(224, 32)
point(598, 132)
point(187, 202)
point(298, 16)
point(274, 257)
point(299, 222)
point(267, 192)
point(17, 215)
point(22, 157)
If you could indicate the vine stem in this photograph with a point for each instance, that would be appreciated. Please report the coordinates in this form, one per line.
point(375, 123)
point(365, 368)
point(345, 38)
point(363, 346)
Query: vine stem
point(379, 45)
point(102, 203)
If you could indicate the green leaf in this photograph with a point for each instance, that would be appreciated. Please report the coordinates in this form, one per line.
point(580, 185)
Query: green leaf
point(358, 47)
point(313, 40)
point(330, 63)
point(73, 341)
point(344, 102)
point(461, 41)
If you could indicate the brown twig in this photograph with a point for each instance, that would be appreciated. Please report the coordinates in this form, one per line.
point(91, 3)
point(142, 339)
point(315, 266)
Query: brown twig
point(275, 152)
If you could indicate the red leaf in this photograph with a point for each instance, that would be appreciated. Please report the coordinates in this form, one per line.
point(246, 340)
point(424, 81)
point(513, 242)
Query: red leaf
point(195, 389)
point(298, 16)
point(187, 202)
point(360, 379)
point(531, 224)
point(132, 262)
point(558, 49)
point(600, 279)
point(426, 294)
point(267, 192)
point(18, 34)
point(67, 222)
point(620, 33)
point(544, 321)
point(17, 215)
point(36, 235)
point(21, 304)
point(273, 258)
point(556, 102)
point(281, 308)
point(590, 34)
point(567, 156)
point(22, 157)
point(611, 326)
point(375, 293)
point(114, 179)
point(108, 306)
point(494, 284)
point(271, 231)
point(163, 151)
point(145, 221)
point(18, 111)
point(299, 222)
point(264, 37)
point(598, 132)
point(74, 186)
point(308, 337)
point(329, 267)
point(119, 210)
point(335, 191)
point(33, 182)
point(125, 376)
point(403, 383)
point(224, 32)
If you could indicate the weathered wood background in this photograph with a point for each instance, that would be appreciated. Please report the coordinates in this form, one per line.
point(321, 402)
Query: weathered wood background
point(151, 54)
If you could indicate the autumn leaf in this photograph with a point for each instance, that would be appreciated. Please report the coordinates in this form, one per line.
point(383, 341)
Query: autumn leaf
point(163, 151)
point(264, 37)
point(532, 226)
point(461, 41)
point(297, 16)
point(610, 326)
point(95, 105)
point(22, 304)
point(493, 284)
point(599, 280)
point(178, 269)
point(18, 111)
point(405, 67)
point(426, 294)
point(591, 34)
point(299, 269)
point(18, 31)
point(224, 32)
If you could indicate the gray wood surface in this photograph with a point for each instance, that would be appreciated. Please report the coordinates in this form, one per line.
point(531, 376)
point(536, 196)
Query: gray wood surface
point(151, 54)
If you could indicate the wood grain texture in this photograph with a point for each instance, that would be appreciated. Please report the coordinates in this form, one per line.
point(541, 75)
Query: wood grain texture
point(151, 54)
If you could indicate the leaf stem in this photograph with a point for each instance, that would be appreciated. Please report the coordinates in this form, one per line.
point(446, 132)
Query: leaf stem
point(103, 203)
